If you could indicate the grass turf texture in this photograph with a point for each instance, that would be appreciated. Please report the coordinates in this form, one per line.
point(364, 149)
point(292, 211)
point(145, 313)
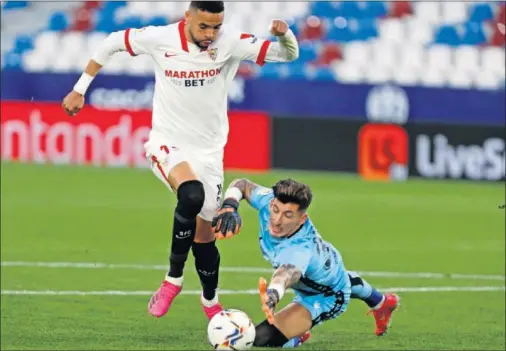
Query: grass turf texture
point(124, 216)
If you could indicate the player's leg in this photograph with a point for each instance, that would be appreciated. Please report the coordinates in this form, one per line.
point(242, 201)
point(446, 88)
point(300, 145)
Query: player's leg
point(382, 305)
point(207, 264)
point(205, 251)
point(290, 329)
point(178, 175)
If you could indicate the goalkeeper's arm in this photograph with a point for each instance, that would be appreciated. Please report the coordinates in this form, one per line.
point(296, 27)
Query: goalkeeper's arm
point(227, 222)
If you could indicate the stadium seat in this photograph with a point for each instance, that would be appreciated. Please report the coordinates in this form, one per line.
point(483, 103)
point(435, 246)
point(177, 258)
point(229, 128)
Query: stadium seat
point(439, 57)
point(46, 43)
point(358, 52)
point(459, 79)
point(453, 12)
point(492, 60)
point(156, 21)
point(447, 34)
point(375, 74)
point(366, 29)
point(391, 30)
point(348, 72)
point(375, 9)
point(58, 21)
point(329, 54)
point(488, 80)
point(467, 58)
point(12, 61)
point(412, 56)
point(340, 31)
point(318, 73)
point(418, 31)
point(34, 61)
point(307, 51)
point(433, 77)
point(312, 29)
point(14, 5)
point(384, 55)
point(428, 12)
point(400, 9)
point(498, 35)
point(473, 34)
point(23, 43)
point(481, 12)
point(501, 14)
point(406, 75)
point(82, 20)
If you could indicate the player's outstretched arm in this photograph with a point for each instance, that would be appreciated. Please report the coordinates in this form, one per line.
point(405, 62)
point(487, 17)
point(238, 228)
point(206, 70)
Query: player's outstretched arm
point(115, 42)
point(287, 47)
point(283, 278)
point(227, 221)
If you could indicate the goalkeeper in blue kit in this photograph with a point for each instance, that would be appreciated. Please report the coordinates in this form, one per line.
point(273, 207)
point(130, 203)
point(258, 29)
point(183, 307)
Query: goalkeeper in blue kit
point(302, 260)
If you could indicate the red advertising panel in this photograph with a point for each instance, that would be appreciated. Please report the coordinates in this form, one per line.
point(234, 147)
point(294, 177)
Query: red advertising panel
point(43, 133)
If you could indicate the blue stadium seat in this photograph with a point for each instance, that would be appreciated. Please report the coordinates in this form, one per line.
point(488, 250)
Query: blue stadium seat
point(295, 70)
point(14, 5)
point(320, 74)
point(448, 35)
point(473, 34)
point(12, 61)
point(269, 71)
point(156, 21)
point(58, 21)
point(130, 22)
point(376, 9)
point(324, 9)
point(351, 9)
point(481, 13)
point(23, 43)
point(307, 51)
point(366, 29)
point(340, 34)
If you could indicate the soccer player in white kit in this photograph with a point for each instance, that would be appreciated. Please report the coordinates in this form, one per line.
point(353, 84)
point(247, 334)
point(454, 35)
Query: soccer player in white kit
point(195, 61)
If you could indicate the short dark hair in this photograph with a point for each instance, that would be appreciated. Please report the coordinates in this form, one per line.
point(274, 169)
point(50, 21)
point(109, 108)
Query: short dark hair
point(292, 191)
point(208, 6)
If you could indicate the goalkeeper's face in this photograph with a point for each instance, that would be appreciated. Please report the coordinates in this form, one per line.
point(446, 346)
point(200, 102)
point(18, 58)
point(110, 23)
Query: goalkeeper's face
point(285, 219)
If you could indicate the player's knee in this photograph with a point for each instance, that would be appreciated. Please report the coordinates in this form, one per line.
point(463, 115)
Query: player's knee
point(190, 198)
point(267, 335)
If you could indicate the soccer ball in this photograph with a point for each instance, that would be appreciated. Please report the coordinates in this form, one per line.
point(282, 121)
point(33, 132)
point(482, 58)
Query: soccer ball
point(231, 330)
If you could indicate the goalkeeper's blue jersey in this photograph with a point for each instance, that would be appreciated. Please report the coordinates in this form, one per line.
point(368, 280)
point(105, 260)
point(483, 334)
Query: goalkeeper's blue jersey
point(320, 262)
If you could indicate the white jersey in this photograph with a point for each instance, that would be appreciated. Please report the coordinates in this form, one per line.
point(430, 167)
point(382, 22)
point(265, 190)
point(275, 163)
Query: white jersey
point(190, 98)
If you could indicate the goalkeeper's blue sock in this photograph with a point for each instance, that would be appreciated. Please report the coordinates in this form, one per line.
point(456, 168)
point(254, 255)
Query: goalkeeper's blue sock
point(292, 343)
point(362, 290)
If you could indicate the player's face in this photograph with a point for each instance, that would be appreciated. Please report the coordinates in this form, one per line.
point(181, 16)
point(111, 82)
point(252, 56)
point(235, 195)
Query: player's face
point(285, 219)
point(203, 27)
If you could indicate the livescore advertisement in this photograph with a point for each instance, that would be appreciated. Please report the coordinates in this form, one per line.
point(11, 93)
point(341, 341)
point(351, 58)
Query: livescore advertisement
point(43, 133)
point(390, 151)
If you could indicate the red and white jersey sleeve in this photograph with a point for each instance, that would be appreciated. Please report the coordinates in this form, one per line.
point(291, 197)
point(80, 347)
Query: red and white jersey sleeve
point(251, 48)
point(143, 40)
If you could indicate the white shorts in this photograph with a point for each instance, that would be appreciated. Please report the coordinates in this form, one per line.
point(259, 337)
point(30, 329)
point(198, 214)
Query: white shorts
point(163, 156)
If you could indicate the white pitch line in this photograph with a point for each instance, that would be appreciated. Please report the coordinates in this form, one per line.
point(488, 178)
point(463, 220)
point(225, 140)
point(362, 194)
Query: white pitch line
point(99, 265)
point(240, 292)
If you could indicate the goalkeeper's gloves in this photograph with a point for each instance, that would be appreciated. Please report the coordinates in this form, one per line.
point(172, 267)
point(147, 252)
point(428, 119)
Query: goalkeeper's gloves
point(269, 298)
point(227, 222)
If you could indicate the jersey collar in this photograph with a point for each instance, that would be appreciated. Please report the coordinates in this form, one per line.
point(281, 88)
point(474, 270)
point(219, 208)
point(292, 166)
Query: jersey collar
point(182, 35)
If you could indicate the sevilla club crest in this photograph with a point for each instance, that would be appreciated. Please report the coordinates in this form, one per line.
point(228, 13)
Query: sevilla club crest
point(213, 53)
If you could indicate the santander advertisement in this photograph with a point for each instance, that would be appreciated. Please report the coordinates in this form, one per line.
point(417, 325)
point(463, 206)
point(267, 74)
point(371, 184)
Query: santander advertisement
point(43, 133)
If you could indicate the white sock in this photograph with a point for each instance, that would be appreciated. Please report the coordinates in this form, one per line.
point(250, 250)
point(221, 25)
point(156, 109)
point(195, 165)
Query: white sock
point(175, 281)
point(381, 303)
point(209, 303)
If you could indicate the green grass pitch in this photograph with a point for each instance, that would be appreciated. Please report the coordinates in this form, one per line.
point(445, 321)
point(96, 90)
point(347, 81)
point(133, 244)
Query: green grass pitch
point(391, 231)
